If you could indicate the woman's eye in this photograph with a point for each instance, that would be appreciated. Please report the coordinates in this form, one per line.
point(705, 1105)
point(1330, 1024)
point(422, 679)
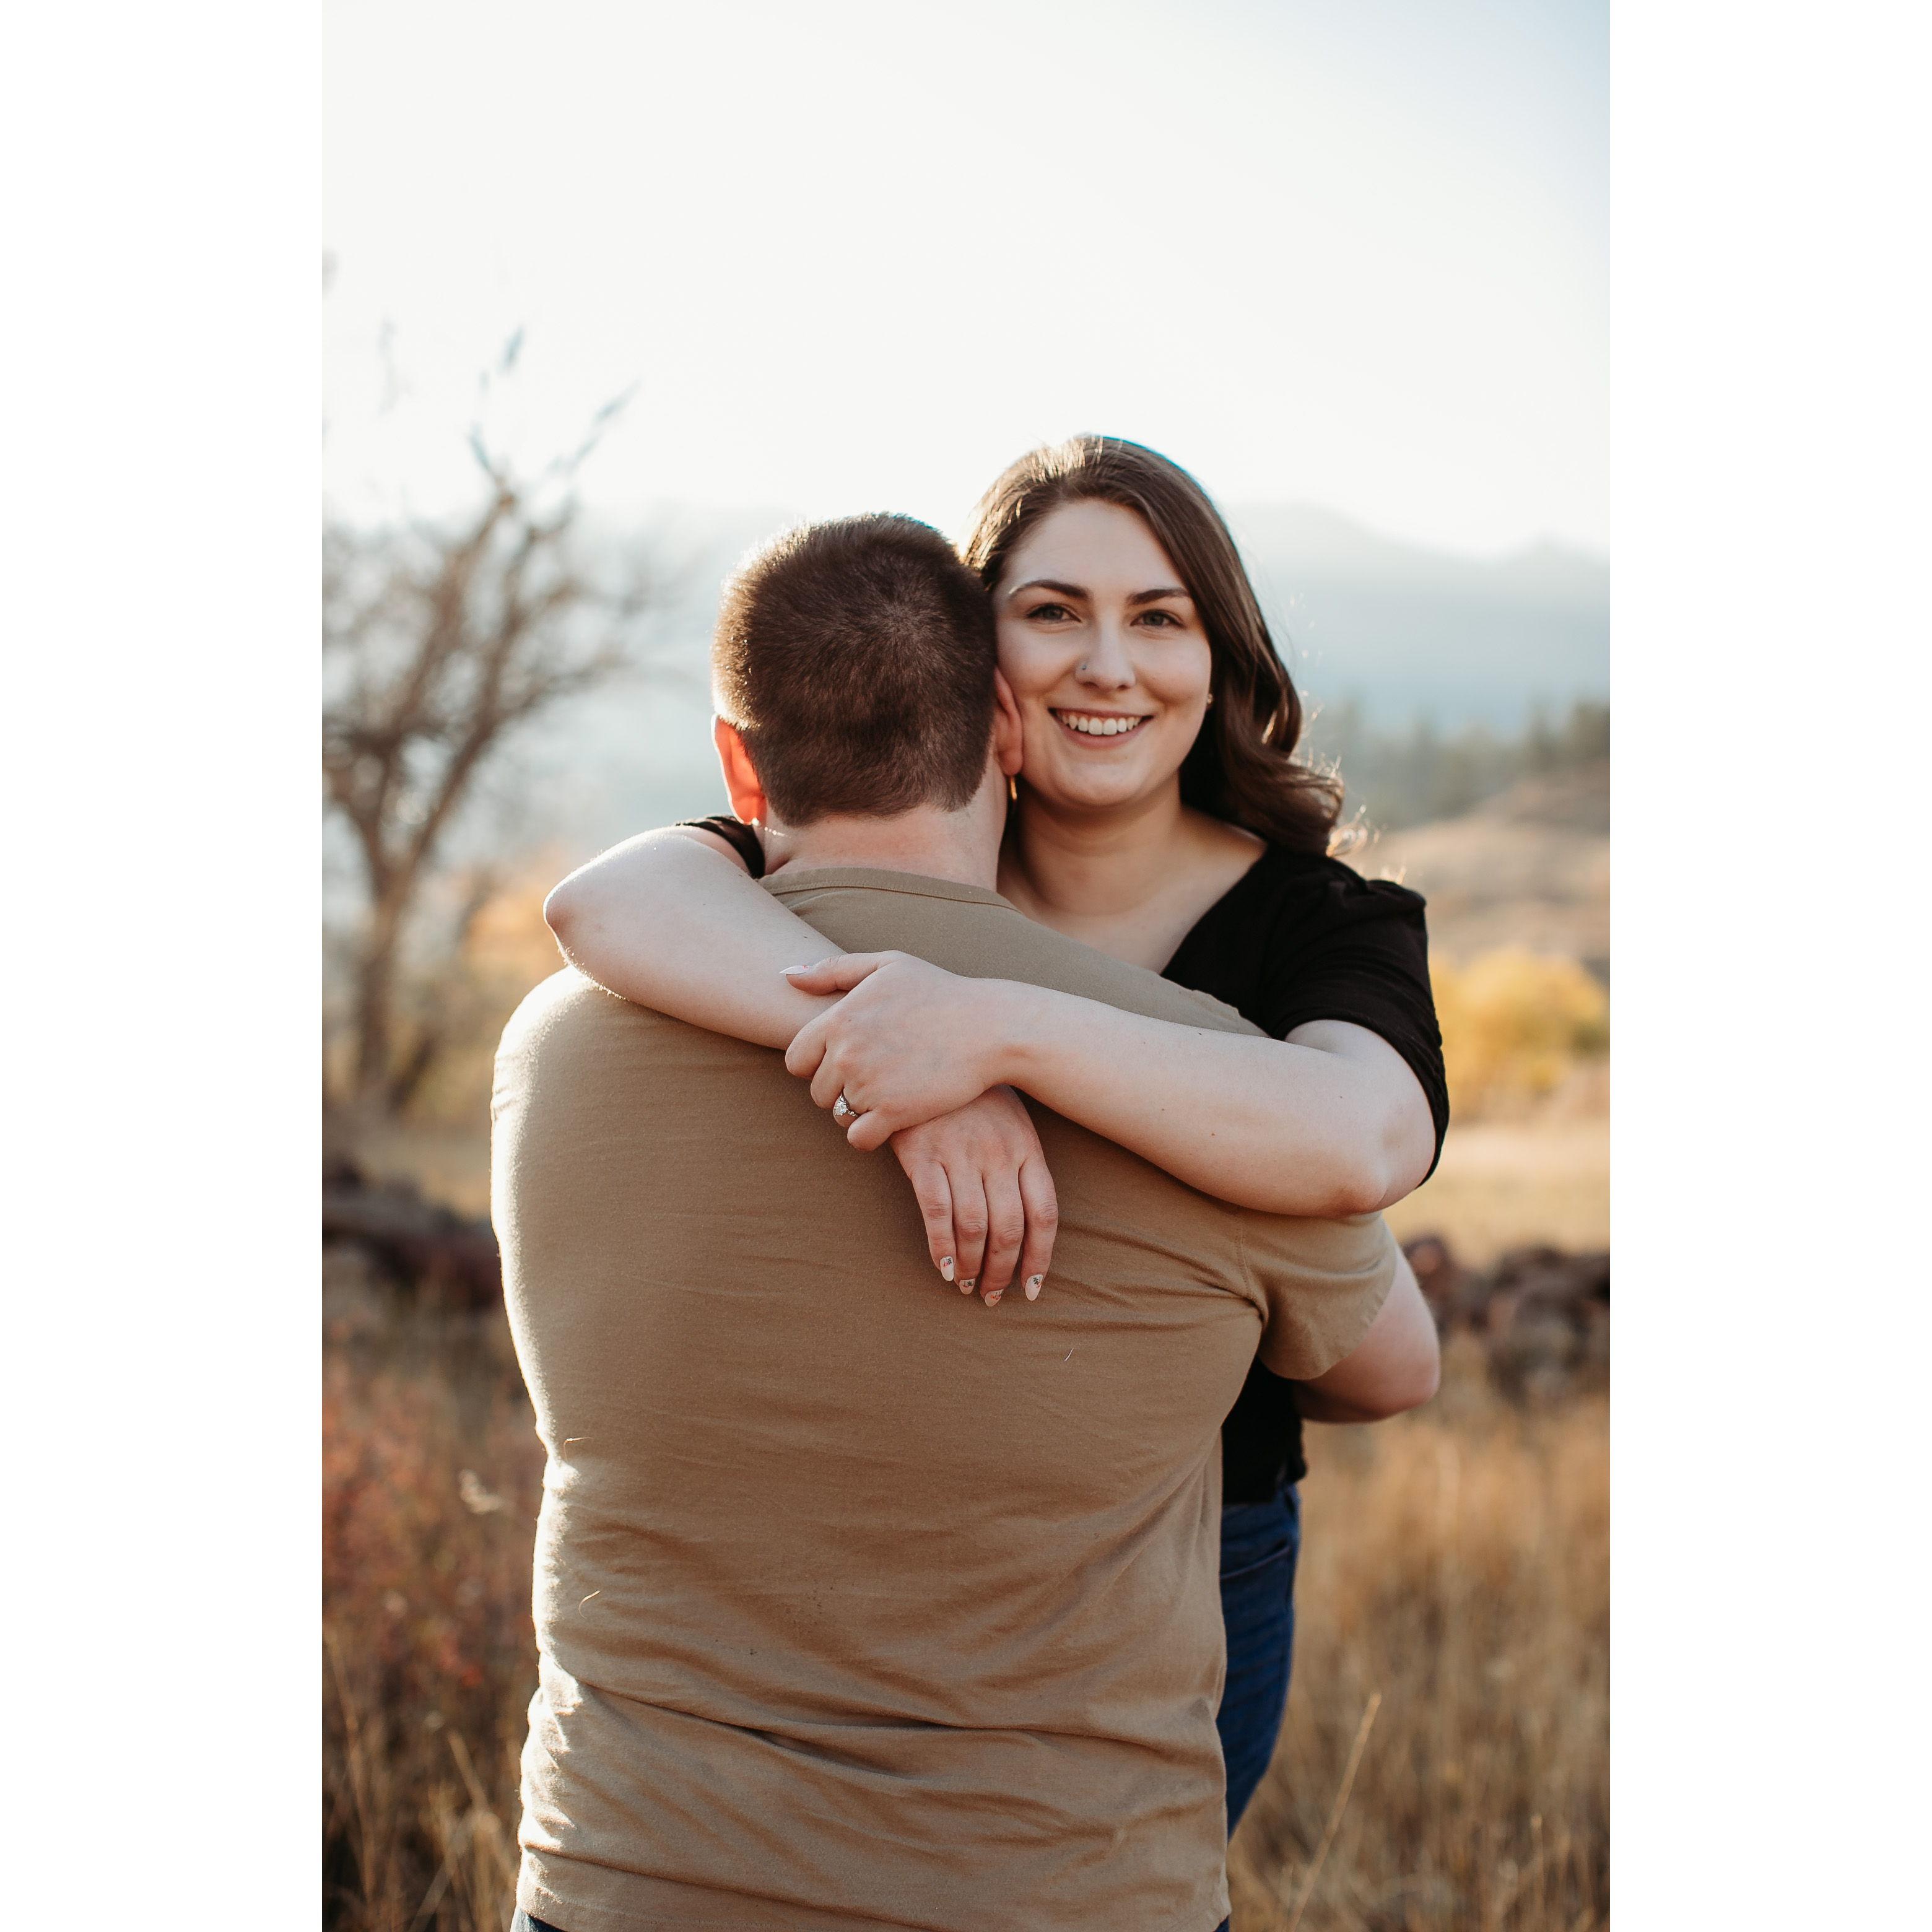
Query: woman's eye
point(1161, 620)
point(1050, 613)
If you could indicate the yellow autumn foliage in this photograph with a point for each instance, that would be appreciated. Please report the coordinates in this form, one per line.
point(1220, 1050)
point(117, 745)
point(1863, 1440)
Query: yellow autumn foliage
point(1516, 1025)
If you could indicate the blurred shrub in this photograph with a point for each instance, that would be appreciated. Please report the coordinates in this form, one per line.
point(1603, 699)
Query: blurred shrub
point(431, 1476)
point(1515, 1025)
point(506, 950)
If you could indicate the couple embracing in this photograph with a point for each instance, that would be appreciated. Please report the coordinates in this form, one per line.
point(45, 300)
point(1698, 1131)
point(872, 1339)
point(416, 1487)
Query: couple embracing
point(868, 1593)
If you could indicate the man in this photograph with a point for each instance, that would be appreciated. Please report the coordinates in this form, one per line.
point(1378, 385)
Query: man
point(857, 1604)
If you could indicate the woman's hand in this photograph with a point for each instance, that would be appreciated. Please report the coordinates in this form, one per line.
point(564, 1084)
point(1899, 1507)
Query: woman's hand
point(984, 1193)
point(908, 1042)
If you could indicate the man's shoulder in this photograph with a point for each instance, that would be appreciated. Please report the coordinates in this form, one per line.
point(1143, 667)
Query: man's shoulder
point(974, 932)
point(568, 1014)
point(566, 1000)
point(571, 1044)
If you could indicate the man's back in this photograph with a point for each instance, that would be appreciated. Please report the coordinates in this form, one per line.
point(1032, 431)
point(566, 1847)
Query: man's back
point(858, 1602)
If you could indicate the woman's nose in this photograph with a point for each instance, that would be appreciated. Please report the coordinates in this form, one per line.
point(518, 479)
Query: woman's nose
point(1107, 663)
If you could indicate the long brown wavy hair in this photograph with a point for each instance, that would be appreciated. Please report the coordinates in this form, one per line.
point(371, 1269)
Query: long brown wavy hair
point(1242, 767)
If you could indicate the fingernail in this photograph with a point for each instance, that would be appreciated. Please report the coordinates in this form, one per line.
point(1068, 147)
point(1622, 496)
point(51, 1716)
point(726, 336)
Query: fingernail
point(1033, 1286)
point(946, 1268)
point(993, 1299)
point(968, 1286)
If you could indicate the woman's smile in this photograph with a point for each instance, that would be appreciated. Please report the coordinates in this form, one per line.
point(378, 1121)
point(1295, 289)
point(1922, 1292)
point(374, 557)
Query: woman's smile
point(1099, 728)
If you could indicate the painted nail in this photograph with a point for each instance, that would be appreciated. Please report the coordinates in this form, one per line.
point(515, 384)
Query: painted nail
point(946, 1269)
point(993, 1299)
point(1033, 1286)
point(966, 1287)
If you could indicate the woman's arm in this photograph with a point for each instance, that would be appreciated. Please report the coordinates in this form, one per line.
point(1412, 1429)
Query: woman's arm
point(1329, 1122)
point(672, 920)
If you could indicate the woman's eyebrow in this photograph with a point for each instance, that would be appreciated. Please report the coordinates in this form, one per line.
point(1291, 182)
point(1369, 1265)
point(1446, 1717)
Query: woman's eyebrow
point(1054, 583)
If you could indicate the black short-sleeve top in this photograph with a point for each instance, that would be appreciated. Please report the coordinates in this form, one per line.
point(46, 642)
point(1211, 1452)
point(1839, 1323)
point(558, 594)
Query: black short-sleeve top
point(1298, 936)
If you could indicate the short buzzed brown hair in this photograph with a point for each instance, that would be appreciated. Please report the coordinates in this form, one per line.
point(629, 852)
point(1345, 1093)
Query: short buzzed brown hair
point(856, 658)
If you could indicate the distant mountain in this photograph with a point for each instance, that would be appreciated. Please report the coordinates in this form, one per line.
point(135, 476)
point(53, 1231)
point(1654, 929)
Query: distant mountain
point(1408, 633)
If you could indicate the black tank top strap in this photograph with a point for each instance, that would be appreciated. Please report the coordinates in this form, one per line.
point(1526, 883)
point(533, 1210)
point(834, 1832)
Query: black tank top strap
point(743, 840)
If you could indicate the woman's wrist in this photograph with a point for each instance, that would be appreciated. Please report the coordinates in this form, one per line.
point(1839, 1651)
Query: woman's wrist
point(1019, 1034)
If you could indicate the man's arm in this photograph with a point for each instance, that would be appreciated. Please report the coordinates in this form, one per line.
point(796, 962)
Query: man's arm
point(1397, 1366)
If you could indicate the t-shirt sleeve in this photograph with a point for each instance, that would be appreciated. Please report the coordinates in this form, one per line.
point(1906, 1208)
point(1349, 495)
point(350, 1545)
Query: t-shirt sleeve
point(738, 834)
point(1321, 1283)
point(1347, 948)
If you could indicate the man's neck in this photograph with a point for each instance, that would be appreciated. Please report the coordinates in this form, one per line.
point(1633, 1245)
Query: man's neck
point(963, 847)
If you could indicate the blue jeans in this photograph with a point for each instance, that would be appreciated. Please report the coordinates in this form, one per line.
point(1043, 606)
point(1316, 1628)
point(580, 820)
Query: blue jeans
point(1259, 1544)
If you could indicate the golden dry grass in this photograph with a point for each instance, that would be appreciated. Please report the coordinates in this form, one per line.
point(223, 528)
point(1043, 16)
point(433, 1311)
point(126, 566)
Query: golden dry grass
point(1455, 1567)
point(1455, 1577)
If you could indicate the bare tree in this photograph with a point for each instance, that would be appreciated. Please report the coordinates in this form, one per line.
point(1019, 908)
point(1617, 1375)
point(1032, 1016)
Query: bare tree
point(438, 642)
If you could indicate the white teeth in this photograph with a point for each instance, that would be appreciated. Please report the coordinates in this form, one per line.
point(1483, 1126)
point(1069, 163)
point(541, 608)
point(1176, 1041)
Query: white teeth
point(1097, 727)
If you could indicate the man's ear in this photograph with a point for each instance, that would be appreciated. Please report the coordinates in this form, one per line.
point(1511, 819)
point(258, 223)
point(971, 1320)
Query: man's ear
point(741, 784)
point(1007, 736)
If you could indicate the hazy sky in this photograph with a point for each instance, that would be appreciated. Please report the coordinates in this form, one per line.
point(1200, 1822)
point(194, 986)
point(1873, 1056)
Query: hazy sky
point(859, 255)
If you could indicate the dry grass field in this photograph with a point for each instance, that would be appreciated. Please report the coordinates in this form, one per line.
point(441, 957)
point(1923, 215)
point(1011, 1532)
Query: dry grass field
point(1452, 1649)
point(1445, 1765)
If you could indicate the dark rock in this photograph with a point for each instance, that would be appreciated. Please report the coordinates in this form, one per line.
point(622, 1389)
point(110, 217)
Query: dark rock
point(1542, 1315)
point(428, 1252)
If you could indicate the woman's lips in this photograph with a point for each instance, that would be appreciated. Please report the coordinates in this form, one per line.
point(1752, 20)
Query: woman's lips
point(1098, 727)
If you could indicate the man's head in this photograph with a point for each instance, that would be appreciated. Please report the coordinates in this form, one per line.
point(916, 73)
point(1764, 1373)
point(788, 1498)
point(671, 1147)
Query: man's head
point(854, 670)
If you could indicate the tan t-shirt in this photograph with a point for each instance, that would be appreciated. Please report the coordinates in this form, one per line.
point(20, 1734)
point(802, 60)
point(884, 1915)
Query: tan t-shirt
point(859, 1604)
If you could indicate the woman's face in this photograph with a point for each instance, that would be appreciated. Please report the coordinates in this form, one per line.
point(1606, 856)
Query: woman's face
point(1106, 655)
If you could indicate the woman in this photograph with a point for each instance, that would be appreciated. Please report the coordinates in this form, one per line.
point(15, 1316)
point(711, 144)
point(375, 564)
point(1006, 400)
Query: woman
point(1159, 815)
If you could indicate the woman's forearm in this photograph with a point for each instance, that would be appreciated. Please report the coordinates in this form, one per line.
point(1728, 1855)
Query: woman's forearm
point(1264, 1124)
point(669, 921)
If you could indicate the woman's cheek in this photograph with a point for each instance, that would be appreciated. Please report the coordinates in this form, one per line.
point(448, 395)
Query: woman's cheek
point(1186, 684)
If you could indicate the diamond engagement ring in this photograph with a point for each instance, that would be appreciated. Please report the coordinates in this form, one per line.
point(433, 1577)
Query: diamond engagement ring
point(843, 1110)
